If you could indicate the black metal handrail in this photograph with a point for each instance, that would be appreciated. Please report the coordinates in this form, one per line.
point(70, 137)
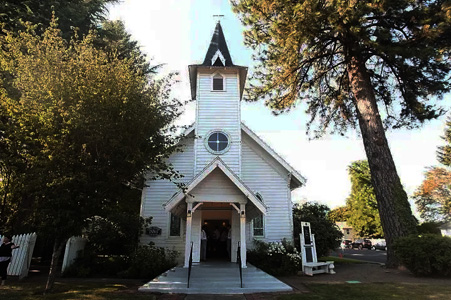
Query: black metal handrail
point(190, 264)
point(238, 259)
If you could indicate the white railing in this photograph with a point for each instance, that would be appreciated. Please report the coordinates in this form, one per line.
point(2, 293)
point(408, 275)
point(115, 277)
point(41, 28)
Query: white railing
point(21, 260)
point(73, 245)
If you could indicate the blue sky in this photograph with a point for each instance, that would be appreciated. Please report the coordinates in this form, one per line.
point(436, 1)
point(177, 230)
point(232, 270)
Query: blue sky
point(178, 33)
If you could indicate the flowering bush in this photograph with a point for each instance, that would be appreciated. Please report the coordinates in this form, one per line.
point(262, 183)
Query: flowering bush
point(275, 258)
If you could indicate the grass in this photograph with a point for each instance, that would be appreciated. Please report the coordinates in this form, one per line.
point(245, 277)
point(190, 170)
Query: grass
point(117, 290)
point(339, 260)
point(373, 291)
point(74, 290)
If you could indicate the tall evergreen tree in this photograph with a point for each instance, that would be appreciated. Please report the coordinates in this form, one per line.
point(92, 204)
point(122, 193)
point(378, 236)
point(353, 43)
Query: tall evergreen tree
point(433, 196)
point(81, 14)
point(347, 60)
point(444, 152)
point(363, 214)
point(339, 214)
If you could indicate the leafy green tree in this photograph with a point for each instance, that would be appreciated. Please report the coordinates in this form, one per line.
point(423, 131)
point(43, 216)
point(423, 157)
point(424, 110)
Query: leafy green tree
point(362, 205)
point(339, 214)
point(346, 60)
point(86, 126)
point(327, 234)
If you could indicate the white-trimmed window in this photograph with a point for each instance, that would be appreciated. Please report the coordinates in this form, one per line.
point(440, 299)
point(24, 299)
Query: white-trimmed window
point(217, 142)
point(258, 223)
point(218, 82)
point(258, 226)
point(174, 225)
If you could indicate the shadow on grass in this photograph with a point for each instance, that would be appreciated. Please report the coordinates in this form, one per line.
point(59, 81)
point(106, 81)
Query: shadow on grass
point(73, 291)
point(373, 291)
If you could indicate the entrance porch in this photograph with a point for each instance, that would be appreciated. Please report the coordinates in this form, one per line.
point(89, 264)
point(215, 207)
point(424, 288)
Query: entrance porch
point(216, 194)
point(215, 278)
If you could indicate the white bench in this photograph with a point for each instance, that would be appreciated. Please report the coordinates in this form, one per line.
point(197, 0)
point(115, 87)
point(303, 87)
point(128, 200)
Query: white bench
point(310, 264)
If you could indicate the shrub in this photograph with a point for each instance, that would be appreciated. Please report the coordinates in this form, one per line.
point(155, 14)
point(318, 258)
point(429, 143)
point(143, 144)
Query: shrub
point(150, 261)
point(327, 234)
point(426, 255)
point(280, 258)
point(88, 264)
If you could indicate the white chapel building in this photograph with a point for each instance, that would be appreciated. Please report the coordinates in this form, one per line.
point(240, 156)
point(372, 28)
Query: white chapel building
point(232, 178)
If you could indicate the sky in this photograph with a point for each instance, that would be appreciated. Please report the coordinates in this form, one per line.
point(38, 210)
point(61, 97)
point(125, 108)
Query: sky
point(177, 33)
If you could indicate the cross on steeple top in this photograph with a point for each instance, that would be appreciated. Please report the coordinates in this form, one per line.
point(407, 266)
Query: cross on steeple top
point(218, 18)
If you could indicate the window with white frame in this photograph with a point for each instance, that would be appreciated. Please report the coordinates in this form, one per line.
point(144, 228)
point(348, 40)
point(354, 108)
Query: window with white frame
point(217, 142)
point(218, 82)
point(175, 225)
point(258, 226)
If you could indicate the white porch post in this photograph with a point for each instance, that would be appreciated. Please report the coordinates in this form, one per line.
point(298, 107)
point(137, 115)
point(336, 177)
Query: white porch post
point(189, 213)
point(243, 234)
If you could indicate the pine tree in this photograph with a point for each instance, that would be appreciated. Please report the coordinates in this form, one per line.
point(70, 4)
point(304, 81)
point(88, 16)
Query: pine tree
point(347, 60)
point(363, 214)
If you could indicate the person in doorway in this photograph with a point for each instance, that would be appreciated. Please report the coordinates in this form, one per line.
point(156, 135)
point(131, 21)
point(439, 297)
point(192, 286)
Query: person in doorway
point(223, 242)
point(5, 256)
point(203, 245)
point(229, 240)
point(216, 236)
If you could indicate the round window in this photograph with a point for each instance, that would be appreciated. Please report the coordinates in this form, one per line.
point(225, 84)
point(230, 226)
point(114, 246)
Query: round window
point(217, 142)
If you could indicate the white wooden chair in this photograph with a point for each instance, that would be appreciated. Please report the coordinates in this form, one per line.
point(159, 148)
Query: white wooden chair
point(310, 264)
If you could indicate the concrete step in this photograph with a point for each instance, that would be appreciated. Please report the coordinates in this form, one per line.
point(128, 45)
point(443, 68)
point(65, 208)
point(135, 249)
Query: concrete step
point(215, 278)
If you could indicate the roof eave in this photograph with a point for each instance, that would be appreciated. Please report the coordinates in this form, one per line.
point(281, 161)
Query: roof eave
point(297, 180)
point(192, 70)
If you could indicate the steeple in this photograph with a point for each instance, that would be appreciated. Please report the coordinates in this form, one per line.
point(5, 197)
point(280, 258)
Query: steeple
point(218, 53)
point(217, 58)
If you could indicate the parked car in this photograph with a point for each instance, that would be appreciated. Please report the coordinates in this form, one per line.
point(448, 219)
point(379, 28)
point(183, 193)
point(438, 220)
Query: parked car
point(345, 244)
point(382, 245)
point(360, 244)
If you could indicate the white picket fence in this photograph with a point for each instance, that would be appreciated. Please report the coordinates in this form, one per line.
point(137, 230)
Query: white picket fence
point(21, 260)
point(73, 245)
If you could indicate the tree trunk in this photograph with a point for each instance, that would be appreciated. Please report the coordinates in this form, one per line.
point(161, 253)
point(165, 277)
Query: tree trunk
point(57, 247)
point(394, 209)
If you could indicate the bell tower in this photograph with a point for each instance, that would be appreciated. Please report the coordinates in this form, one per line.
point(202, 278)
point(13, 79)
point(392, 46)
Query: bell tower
point(217, 86)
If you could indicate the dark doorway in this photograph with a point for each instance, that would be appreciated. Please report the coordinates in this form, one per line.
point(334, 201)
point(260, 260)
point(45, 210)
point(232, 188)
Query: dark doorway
point(217, 231)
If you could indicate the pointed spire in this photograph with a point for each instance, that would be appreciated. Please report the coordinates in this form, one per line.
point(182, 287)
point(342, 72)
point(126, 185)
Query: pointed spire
point(218, 42)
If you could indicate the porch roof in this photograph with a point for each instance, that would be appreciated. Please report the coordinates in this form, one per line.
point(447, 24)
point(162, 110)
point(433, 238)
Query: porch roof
point(217, 163)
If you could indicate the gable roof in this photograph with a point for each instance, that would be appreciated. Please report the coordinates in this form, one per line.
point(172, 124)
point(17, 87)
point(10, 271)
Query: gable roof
point(218, 42)
point(296, 178)
point(216, 163)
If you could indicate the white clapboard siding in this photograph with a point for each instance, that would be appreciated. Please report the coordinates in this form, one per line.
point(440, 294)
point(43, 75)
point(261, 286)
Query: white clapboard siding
point(21, 259)
point(265, 176)
point(218, 110)
point(158, 192)
point(74, 245)
point(216, 184)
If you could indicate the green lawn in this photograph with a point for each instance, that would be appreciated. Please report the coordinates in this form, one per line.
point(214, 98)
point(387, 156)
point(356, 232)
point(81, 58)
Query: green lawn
point(372, 291)
point(73, 291)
